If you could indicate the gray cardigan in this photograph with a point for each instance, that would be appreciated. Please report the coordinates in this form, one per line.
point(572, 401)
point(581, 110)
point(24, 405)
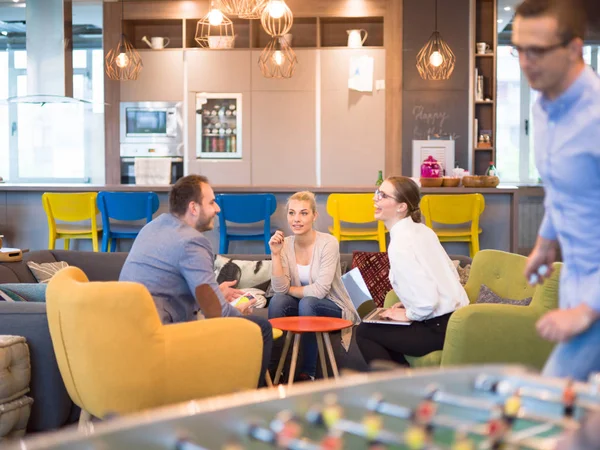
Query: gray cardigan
point(325, 276)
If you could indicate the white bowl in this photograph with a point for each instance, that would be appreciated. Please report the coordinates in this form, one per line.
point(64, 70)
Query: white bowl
point(221, 41)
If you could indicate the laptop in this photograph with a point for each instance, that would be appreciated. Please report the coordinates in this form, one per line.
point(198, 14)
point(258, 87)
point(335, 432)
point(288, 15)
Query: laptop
point(375, 317)
point(356, 287)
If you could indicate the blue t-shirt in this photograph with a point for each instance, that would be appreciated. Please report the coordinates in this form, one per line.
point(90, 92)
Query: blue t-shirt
point(171, 259)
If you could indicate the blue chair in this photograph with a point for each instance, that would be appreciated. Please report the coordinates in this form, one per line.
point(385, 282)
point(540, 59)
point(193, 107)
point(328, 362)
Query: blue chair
point(245, 208)
point(124, 206)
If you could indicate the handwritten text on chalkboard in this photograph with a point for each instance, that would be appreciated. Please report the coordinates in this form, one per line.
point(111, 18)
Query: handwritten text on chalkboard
point(428, 122)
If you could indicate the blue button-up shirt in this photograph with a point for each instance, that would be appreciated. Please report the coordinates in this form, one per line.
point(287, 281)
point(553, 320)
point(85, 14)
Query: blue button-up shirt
point(567, 150)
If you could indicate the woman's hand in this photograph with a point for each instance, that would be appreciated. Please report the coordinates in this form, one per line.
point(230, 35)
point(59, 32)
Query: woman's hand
point(397, 305)
point(246, 308)
point(276, 242)
point(398, 314)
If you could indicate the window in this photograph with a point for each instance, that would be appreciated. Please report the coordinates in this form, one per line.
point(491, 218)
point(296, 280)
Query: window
point(515, 156)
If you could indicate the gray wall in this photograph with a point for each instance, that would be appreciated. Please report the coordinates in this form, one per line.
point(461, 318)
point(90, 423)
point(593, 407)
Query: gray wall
point(435, 106)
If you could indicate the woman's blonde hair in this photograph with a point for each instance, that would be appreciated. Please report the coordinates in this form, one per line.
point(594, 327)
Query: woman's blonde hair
point(304, 196)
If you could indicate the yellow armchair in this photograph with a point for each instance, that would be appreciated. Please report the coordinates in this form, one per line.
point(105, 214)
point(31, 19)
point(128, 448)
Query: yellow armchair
point(115, 356)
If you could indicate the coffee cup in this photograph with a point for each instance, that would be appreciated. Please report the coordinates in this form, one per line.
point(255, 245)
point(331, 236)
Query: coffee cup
point(482, 48)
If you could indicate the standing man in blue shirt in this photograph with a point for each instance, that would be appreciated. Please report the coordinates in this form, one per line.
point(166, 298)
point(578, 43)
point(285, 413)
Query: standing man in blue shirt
point(173, 259)
point(548, 37)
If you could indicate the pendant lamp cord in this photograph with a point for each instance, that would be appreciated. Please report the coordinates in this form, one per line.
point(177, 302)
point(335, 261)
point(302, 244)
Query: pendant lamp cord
point(123, 18)
point(436, 15)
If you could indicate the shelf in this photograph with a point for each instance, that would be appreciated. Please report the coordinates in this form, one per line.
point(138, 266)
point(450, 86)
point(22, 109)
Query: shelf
point(480, 102)
point(334, 30)
point(481, 149)
point(172, 29)
point(484, 55)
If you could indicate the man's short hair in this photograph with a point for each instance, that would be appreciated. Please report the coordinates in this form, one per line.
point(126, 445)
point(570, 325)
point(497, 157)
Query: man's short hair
point(570, 15)
point(187, 189)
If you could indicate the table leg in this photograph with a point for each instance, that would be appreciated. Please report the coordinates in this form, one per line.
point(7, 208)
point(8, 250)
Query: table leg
point(294, 359)
point(268, 380)
point(319, 337)
point(286, 347)
point(334, 368)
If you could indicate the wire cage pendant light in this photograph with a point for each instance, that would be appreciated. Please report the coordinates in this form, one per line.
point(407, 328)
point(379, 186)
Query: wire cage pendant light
point(277, 18)
point(436, 61)
point(215, 29)
point(277, 60)
point(244, 9)
point(123, 62)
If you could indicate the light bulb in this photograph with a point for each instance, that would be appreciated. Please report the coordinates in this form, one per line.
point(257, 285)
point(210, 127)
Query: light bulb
point(122, 60)
point(278, 57)
point(436, 59)
point(276, 9)
point(215, 17)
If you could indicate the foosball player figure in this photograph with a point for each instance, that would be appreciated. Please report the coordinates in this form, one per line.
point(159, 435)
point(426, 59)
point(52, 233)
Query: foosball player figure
point(512, 406)
point(416, 437)
point(233, 444)
point(462, 441)
point(333, 440)
point(287, 428)
point(496, 429)
point(331, 412)
point(372, 424)
point(568, 399)
point(424, 412)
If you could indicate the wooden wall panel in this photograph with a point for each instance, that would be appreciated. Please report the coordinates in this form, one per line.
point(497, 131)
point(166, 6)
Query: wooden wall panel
point(111, 36)
point(283, 138)
point(161, 79)
point(352, 123)
point(393, 42)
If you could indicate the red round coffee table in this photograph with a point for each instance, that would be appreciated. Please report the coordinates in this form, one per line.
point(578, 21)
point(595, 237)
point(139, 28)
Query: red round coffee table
point(295, 326)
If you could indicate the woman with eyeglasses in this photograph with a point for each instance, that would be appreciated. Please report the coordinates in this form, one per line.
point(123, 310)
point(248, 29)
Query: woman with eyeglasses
point(422, 276)
point(306, 276)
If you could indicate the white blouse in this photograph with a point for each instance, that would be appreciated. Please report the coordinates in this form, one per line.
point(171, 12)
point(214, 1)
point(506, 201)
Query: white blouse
point(421, 273)
point(304, 274)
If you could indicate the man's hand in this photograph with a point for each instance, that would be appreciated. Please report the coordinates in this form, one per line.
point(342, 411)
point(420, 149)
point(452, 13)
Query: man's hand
point(397, 305)
point(229, 292)
point(543, 254)
point(395, 314)
point(562, 324)
point(246, 308)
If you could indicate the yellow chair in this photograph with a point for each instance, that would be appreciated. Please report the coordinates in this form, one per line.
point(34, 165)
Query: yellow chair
point(358, 209)
point(75, 207)
point(115, 355)
point(454, 210)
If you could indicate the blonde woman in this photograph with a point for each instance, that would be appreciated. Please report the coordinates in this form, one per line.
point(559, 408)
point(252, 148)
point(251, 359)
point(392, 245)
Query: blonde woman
point(306, 276)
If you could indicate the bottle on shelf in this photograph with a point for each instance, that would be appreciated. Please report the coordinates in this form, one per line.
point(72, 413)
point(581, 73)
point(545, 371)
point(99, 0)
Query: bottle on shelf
point(213, 145)
point(379, 178)
point(233, 144)
point(206, 147)
point(491, 170)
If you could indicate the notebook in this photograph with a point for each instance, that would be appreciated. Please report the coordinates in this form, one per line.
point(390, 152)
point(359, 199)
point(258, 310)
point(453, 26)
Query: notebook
point(375, 317)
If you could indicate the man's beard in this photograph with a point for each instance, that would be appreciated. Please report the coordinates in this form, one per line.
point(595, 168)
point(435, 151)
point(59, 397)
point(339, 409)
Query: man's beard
point(203, 224)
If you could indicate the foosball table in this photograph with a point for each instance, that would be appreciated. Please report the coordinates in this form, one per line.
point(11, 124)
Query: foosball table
point(495, 407)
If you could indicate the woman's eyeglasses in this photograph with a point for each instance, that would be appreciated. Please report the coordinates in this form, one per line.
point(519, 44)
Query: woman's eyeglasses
point(380, 195)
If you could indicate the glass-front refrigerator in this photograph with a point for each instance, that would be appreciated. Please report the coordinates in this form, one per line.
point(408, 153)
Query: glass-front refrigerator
point(218, 126)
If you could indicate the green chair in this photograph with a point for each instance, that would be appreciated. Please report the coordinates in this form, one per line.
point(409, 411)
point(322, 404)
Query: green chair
point(492, 333)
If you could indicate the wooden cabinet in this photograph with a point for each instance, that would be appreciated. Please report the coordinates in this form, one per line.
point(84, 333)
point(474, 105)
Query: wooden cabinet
point(484, 107)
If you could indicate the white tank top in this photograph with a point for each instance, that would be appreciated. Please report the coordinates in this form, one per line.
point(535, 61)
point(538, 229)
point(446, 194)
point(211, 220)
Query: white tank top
point(304, 274)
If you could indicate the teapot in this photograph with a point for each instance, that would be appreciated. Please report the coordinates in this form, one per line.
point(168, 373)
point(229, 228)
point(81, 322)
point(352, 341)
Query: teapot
point(430, 168)
point(156, 43)
point(355, 39)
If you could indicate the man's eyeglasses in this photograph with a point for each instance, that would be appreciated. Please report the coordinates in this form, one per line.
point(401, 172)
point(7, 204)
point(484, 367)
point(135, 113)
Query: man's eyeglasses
point(536, 53)
point(380, 195)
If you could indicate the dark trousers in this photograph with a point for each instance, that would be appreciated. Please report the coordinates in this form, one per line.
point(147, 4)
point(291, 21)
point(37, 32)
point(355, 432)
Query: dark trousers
point(267, 335)
point(392, 342)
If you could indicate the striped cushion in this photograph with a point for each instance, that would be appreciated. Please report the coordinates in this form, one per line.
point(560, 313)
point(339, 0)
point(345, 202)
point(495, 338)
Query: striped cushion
point(44, 271)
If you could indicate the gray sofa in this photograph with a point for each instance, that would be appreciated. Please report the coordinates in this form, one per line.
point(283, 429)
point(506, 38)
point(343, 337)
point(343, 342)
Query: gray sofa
point(52, 407)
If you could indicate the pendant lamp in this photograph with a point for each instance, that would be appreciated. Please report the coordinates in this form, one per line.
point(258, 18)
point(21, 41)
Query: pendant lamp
point(435, 61)
point(123, 62)
point(215, 30)
point(277, 60)
point(244, 9)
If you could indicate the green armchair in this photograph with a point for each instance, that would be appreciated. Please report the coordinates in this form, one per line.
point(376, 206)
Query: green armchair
point(491, 333)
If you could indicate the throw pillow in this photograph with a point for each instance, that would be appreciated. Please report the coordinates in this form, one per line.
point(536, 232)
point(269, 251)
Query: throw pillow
point(45, 271)
point(25, 292)
point(375, 270)
point(486, 295)
point(253, 274)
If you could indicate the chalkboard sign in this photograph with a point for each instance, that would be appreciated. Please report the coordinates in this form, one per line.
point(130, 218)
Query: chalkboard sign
point(435, 107)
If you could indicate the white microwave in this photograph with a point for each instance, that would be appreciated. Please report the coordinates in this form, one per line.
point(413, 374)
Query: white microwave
point(151, 122)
